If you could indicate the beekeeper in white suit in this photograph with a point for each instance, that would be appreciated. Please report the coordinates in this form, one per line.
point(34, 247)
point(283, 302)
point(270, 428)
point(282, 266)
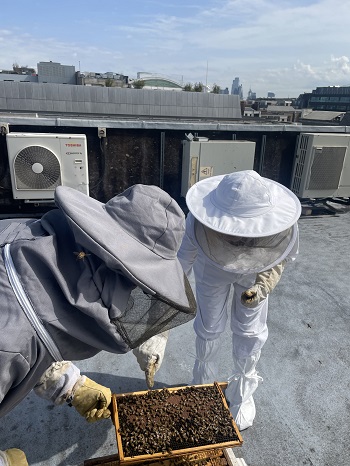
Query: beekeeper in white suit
point(241, 230)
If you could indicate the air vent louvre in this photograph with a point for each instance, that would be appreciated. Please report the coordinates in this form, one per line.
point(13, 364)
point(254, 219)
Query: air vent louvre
point(326, 168)
point(321, 166)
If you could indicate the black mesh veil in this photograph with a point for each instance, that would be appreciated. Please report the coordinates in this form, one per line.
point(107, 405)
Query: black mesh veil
point(240, 254)
point(147, 315)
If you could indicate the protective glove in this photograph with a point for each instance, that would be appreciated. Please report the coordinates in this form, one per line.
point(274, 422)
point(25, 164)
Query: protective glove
point(90, 399)
point(150, 355)
point(265, 282)
point(13, 457)
point(57, 382)
point(62, 382)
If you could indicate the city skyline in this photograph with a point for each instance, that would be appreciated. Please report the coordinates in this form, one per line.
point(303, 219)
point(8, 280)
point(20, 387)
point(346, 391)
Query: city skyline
point(287, 47)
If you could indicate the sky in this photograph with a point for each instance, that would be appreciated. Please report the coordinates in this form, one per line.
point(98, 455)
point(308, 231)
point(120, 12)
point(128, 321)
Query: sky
point(283, 46)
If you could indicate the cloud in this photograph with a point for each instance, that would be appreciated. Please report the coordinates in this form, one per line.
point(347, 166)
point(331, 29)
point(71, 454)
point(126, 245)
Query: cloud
point(26, 49)
point(335, 71)
point(302, 69)
point(342, 64)
point(337, 68)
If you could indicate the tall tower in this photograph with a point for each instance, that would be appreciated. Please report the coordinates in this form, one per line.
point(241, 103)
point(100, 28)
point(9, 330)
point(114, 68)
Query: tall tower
point(236, 88)
point(251, 95)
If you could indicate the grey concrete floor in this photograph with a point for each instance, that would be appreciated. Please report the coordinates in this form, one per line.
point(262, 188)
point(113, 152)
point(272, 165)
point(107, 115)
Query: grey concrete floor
point(303, 403)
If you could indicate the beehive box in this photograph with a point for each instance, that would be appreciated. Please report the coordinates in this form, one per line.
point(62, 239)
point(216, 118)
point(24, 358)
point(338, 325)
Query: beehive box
point(166, 423)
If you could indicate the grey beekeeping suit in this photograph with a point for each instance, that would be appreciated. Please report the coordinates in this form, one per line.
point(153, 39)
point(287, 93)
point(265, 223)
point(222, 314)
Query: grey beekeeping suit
point(66, 285)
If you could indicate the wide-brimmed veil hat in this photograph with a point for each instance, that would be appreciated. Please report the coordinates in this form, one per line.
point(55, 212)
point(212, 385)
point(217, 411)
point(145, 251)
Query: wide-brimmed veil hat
point(243, 204)
point(138, 233)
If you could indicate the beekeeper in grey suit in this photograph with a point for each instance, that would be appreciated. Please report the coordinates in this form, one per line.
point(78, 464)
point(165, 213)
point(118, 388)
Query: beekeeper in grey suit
point(69, 288)
point(241, 230)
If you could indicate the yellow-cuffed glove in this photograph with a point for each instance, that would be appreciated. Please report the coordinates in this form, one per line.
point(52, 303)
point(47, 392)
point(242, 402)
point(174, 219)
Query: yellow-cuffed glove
point(265, 282)
point(91, 399)
point(13, 457)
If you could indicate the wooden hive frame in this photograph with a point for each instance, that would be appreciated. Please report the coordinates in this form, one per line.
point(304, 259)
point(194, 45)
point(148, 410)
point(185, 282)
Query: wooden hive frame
point(208, 458)
point(218, 457)
point(173, 453)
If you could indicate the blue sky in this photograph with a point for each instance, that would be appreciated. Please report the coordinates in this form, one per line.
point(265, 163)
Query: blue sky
point(282, 46)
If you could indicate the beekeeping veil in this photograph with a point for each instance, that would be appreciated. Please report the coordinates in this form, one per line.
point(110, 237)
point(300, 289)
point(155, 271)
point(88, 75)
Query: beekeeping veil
point(243, 221)
point(137, 234)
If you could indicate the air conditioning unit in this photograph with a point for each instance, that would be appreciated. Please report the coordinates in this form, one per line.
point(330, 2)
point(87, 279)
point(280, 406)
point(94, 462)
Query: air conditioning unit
point(203, 158)
point(321, 166)
point(41, 162)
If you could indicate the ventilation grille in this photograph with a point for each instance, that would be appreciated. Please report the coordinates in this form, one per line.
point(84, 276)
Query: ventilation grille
point(326, 169)
point(302, 152)
point(36, 167)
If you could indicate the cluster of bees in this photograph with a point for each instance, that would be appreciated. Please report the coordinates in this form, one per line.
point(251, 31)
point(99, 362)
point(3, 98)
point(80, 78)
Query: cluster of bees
point(162, 421)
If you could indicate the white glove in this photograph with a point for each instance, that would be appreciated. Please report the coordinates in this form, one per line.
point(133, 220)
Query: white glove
point(150, 355)
point(13, 457)
point(57, 381)
point(265, 283)
point(62, 382)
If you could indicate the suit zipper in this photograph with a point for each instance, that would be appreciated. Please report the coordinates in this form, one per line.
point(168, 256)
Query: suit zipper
point(27, 307)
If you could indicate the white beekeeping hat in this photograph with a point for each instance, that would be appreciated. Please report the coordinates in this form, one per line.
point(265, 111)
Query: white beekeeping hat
point(243, 204)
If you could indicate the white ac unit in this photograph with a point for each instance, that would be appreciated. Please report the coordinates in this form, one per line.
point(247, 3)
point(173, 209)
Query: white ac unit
point(202, 159)
point(39, 162)
point(321, 166)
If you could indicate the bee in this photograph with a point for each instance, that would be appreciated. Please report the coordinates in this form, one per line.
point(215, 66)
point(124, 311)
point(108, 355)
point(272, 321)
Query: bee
point(81, 255)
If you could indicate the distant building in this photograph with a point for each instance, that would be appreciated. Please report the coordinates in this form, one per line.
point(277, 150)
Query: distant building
point(271, 95)
point(331, 98)
point(251, 95)
point(251, 112)
point(158, 81)
point(224, 91)
point(23, 69)
point(52, 72)
point(281, 113)
point(108, 79)
point(19, 74)
point(237, 88)
point(264, 103)
point(55, 73)
point(324, 118)
point(5, 76)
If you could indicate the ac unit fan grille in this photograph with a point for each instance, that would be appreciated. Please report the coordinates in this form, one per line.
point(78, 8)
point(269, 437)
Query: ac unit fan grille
point(37, 168)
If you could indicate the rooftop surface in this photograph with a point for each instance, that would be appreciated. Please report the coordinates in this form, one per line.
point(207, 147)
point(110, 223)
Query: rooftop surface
point(303, 404)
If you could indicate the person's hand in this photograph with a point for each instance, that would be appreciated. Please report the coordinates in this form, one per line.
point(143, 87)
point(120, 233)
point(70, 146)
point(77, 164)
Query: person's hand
point(252, 297)
point(91, 399)
point(150, 355)
point(265, 282)
point(13, 457)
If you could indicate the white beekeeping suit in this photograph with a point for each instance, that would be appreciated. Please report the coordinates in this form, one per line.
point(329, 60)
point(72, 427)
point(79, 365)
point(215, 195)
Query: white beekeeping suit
point(241, 230)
